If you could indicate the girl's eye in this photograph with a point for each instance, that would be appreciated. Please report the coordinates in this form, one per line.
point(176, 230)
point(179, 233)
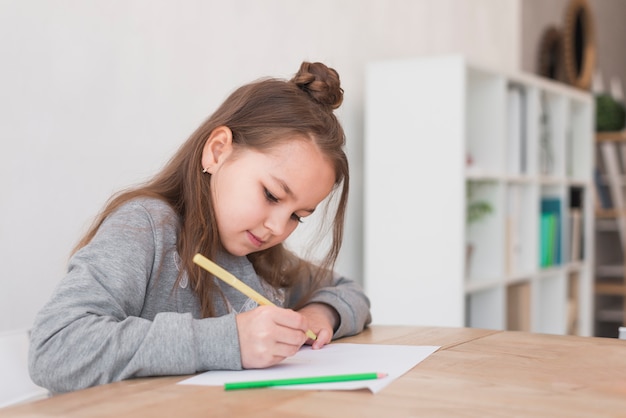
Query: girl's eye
point(270, 197)
point(273, 199)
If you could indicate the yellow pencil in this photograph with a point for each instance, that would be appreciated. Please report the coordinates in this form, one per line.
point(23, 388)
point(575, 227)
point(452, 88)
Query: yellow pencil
point(230, 279)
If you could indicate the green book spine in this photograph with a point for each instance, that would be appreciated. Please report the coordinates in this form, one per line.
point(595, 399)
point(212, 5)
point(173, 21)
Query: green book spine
point(543, 236)
point(551, 244)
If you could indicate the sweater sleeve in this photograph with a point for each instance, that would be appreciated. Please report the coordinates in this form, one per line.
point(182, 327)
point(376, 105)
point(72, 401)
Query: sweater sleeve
point(348, 299)
point(92, 331)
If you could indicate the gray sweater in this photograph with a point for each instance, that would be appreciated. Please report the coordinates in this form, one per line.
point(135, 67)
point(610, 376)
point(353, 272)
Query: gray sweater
point(118, 314)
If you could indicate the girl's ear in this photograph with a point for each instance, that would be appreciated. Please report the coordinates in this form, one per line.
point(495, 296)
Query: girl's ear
point(217, 148)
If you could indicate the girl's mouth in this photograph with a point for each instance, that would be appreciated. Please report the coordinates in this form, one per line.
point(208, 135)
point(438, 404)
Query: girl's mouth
point(256, 241)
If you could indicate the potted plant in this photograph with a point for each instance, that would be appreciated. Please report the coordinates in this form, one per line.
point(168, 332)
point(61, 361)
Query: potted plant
point(476, 211)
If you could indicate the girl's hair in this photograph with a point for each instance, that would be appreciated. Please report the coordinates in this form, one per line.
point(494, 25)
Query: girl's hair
point(260, 115)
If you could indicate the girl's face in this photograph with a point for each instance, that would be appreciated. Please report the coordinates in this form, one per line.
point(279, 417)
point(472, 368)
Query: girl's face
point(261, 197)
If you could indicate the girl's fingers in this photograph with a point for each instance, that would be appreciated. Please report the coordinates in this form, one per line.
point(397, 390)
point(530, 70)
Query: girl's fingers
point(268, 335)
point(323, 337)
point(291, 319)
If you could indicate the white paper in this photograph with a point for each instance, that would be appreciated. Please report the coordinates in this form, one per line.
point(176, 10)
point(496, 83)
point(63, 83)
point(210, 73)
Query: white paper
point(395, 360)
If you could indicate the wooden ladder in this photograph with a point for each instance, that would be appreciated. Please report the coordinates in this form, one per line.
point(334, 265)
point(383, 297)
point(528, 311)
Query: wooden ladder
point(613, 149)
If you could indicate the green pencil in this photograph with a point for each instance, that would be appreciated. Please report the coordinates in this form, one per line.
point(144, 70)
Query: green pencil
point(303, 380)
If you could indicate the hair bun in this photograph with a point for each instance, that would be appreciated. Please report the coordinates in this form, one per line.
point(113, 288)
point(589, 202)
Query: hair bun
point(320, 82)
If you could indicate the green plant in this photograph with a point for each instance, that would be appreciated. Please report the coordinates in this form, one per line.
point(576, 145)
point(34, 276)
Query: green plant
point(476, 209)
point(610, 114)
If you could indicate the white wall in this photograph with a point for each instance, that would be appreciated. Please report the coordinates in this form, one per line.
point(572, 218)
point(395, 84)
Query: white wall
point(96, 95)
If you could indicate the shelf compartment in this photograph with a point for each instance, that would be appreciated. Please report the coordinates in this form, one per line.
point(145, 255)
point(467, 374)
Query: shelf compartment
point(553, 119)
point(521, 234)
point(518, 146)
point(485, 308)
point(573, 304)
point(577, 165)
point(485, 236)
point(485, 122)
point(550, 303)
point(518, 307)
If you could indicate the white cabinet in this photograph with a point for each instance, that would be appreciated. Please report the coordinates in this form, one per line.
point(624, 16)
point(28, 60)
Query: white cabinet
point(440, 133)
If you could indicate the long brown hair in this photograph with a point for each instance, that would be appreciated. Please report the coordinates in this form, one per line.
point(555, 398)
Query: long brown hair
point(260, 115)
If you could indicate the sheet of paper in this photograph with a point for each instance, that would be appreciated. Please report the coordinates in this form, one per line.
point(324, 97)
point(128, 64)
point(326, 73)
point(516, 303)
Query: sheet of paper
point(395, 360)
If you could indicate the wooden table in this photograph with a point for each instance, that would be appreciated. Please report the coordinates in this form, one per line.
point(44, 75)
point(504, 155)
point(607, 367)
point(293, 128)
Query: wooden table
point(477, 372)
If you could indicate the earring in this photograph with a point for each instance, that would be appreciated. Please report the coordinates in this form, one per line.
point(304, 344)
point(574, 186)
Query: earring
point(205, 170)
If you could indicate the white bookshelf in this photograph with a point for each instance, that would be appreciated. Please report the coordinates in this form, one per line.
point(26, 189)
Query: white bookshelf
point(425, 118)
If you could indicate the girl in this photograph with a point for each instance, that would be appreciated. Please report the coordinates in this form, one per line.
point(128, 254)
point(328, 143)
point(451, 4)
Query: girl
point(134, 304)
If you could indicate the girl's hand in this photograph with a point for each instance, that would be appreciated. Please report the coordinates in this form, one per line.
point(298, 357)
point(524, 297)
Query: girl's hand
point(322, 319)
point(269, 334)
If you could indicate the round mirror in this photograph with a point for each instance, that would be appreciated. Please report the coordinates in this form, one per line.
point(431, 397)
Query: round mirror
point(579, 50)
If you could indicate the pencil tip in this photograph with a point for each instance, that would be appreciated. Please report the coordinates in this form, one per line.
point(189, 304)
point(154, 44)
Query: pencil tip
point(381, 375)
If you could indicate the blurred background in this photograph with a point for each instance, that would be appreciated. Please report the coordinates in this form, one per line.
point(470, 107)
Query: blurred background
point(95, 96)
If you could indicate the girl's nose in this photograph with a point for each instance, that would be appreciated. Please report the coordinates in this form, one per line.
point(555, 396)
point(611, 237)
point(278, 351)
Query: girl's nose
point(276, 222)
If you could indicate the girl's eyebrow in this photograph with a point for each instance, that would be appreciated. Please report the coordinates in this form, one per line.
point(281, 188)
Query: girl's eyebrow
point(289, 192)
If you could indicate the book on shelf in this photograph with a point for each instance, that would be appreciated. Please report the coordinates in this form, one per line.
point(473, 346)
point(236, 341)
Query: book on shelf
point(575, 234)
point(546, 140)
point(550, 233)
point(576, 224)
